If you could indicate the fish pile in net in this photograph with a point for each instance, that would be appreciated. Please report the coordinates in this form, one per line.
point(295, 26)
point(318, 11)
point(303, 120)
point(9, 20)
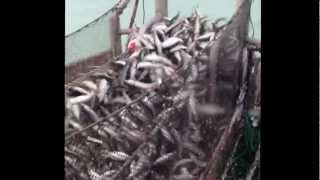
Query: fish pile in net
point(144, 112)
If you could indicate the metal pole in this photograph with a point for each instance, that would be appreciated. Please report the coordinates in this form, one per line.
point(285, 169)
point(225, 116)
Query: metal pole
point(161, 7)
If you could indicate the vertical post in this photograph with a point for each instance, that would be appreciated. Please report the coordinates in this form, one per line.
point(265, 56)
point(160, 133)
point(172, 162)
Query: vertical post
point(238, 3)
point(161, 7)
point(115, 34)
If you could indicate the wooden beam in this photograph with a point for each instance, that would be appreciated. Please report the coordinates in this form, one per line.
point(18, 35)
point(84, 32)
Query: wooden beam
point(115, 35)
point(161, 7)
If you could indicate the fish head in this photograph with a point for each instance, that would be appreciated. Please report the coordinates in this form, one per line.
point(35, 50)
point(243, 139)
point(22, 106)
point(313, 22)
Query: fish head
point(133, 46)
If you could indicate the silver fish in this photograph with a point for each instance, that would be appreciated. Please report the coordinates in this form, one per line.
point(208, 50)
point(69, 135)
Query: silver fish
point(161, 26)
point(164, 158)
point(121, 100)
point(135, 54)
point(75, 125)
point(103, 89)
point(209, 109)
point(203, 20)
point(150, 150)
point(178, 139)
point(203, 45)
point(126, 96)
point(140, 113)
point(120, 62)
point(132, 166)
point(193, 73)
point(177, 55)
point(192, 103)
point(141, 85)
point(184, 177)
point(142, 176)
point(215, 25)
point(196, 12)
point(157, 176)
point(73, 162)
point(94, 175)
point(108, 173)
point(162, 35)
point(186, 22)
point(112, 133)
point(149, 38)
point(94, 140)
point(186, 59)
point(191, 46)
point(196, 135)
point(142, 163)
point(192, 147)
point(92, 86)
point(170, 72)
point(203, 58)
point(126, 119)
point(176, 23)
point(156, 58)
point(134, 135)
point(143, 74)
point(91, 113)
point(181, 95)
point(174, 18)
point(80, 99)
point(176, 34)
point(75, 108)
point(103, 135)
point(146, 101)
point(171, 42)
point(133, 69)
point(257, 55)
point(165, 133)
point(159, 74)
point(118, 156)
point(146, 64)
point(157, 43)
point(197, 161)
point(181, 162)
point(205, 37)
point(177, 48)
point(78, 90)
point(124, 73)
point(101, 75)
point(196, 28)
point(147, 44)
point(78, 149)
point(175, 30)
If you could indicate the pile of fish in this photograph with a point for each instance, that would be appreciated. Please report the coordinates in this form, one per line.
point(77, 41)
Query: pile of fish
point(140, 119)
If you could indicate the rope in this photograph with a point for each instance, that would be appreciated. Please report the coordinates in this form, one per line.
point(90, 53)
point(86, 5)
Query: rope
point(143, 12)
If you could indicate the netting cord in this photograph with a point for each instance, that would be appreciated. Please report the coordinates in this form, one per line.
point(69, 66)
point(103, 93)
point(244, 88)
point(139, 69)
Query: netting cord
point(143, 12)
point(119, 5)
point(90, 23)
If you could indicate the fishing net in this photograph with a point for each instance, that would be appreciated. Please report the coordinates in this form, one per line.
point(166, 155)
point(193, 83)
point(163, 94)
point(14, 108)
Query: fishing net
point(90, 40)
point(180, 117)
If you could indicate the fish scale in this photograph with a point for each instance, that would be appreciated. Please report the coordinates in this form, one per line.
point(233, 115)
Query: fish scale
point(165, 158)
point(118, 156)
point(142, 163)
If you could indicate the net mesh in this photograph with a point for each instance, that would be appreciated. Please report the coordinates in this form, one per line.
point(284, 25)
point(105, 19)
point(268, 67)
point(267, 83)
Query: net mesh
point(92, 39)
